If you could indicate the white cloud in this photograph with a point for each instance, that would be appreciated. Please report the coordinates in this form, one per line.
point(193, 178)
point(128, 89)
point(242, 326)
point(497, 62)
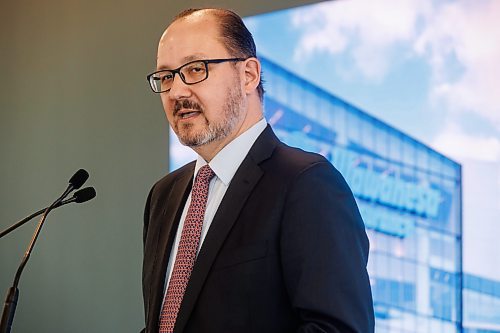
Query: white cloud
point(459, 39)
point(461, 146)
point(365, 29)
point(468, 33)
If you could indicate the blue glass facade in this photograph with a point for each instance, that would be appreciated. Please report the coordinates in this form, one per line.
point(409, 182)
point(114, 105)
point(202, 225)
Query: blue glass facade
point(481, 305)
point(408, 194)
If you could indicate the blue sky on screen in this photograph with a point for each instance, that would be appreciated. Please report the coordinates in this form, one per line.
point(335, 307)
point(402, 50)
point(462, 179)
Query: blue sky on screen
point(428, 68)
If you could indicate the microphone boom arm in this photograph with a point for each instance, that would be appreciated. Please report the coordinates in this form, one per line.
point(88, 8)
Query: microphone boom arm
point(79, 196)
point(86, 194)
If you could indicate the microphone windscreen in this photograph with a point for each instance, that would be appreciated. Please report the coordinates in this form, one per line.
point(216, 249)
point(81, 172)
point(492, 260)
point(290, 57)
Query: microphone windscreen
point(85, 194)
point(79, 178)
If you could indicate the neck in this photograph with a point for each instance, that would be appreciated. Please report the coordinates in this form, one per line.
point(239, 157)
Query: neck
point(209, 150)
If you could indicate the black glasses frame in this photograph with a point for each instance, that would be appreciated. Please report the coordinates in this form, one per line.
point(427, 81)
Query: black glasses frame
point(150, 77)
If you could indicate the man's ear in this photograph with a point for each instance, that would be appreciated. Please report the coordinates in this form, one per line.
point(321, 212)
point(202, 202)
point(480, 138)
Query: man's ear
point(252, 74)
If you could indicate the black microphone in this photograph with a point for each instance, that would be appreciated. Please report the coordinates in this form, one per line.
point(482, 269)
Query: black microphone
point(76, 181)
point(83, 195)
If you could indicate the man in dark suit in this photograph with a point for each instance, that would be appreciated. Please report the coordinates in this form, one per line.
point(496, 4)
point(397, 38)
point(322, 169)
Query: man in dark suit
point(272, 240)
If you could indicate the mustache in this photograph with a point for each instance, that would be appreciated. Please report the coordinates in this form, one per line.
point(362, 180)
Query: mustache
point(186, 104)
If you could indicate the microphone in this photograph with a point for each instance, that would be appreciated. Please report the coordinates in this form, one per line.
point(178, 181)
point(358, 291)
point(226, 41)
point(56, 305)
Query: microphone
point(78, 179)
point(83, 195)
point(75, 182)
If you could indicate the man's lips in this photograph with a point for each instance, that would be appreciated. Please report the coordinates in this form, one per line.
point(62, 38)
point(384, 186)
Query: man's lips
point(185, 114)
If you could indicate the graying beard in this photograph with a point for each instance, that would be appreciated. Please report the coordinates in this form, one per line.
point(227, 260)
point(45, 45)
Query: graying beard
point(217, 131)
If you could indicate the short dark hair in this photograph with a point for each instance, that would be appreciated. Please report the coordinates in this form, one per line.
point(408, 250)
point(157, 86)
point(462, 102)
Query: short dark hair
point(234, 34)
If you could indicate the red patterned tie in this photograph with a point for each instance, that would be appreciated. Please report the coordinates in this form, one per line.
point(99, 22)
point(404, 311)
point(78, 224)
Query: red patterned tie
point(186, 253)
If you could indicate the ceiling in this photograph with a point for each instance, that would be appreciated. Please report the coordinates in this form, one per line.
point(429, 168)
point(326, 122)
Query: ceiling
point(243, 8)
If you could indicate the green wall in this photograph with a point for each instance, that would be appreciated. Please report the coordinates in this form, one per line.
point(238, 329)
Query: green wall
point(73, 95)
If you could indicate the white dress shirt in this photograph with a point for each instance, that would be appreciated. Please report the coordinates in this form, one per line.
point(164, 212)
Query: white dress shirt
point(224, 164)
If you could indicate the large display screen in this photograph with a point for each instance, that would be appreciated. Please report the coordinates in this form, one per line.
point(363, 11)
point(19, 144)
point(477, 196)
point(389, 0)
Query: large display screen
point(413, 78)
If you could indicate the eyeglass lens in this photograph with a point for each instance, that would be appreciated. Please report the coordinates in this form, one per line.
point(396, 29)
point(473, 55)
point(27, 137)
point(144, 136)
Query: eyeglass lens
point(190, 73)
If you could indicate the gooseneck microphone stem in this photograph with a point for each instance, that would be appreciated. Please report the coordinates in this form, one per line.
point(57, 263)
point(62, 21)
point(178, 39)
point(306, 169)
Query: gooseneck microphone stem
point(79, 197)
point(9, 308)
point(20, 223)
point(13, 294)
point(35, 235)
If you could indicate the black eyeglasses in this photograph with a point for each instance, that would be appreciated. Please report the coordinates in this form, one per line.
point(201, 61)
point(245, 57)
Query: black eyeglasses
point(191, 73)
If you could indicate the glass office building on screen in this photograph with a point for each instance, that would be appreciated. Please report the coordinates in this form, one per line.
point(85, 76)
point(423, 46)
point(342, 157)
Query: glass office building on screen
point(409, 196)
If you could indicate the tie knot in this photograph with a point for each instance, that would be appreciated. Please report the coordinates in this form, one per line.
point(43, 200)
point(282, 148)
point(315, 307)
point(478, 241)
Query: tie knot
point(205, 174)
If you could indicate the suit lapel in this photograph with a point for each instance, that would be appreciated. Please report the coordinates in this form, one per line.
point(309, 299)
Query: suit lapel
point(168, 223)
point(234, 200)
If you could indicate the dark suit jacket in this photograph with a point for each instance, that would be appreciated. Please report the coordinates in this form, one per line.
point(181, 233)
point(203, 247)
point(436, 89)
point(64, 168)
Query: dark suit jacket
point(286, 251)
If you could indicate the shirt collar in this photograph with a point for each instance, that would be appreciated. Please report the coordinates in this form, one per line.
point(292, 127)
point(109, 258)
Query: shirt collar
point(227, 161)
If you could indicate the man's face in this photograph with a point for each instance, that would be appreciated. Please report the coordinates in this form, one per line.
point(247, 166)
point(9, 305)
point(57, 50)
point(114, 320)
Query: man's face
point(209, 112)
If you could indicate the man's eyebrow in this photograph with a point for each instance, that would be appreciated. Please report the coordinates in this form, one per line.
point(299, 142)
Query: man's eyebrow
point(196, 56)
point(185, 60)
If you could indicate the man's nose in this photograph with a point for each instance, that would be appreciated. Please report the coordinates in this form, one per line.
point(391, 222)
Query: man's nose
point(179, 88)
